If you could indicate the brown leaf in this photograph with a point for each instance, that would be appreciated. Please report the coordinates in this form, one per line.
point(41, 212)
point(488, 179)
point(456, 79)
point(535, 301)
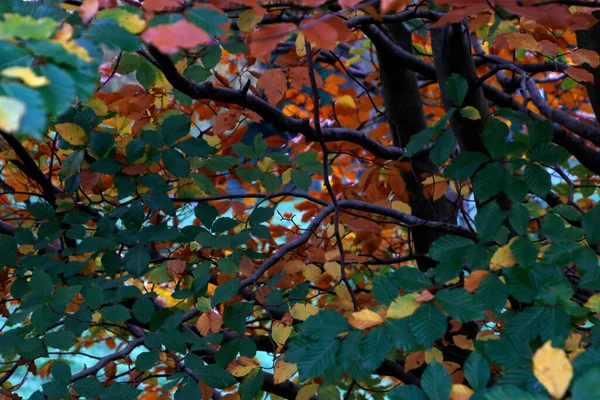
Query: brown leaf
point(169, 38)
point(209, 322)
point(175, 268)
point(226, 121)
point(274, 83)
point(414, 360)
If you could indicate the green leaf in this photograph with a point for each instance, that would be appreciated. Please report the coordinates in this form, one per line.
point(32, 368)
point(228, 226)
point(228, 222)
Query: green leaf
point(61, 371)
point(465, 165)
point(215, 376)
point(428, 324)
point(495, 137)
point(444, 144)
point(540, 132)
point(492, 293)
point(449, 248)
point(101, 142)
point(519, 218)
point(411, 279)
point(226, 291)
point(197, 73)
point(27, 27)
point(175, 127)
point(316, 358)
point(419, 141)
point(384, 290)
point(34, 121)
point(261, 214)
point(548, 153)
point(374, 348)
point(436, 382)
point(146, 361)
point(524, 251)
point(489, 220)
point(407, 392)
point(62, 340)
point(94, 297)
point(587, 386)
point(136, 261)
point(72, 164)
point(301, 179)
point(538, 180)
point(208, 19)
point(402, 337)
point(477, 371)
point(591, 225)
point(109, 33)
point(325, 324)
point(143, 309)
point(115, 314)
point(223, 224)
point(456, 88)
point(251, 386)
point(135, 150)
point(176, 163)
point(460, 304)
point(488, 181)
point(60, 93)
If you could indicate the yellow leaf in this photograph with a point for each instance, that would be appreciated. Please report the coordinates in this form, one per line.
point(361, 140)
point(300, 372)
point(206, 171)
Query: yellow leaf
point(312, 273)
point(401, 206)
point(72, 133)
point(460, 392)
point(434, 354)
point(11, 112)
point(26, 75)
point(344, 296)
point(552, 368)
point(280, 333)
point(286, 177)
point(266, 164)
point(593, 303)
point(403, 306)
point(300, 45)
point(303, 311)
point(365, 319)
point(99, 107)
point(502, 258)
point(212, 140)
point(334, 269)
point(345, 101)
point(470, 112)
point(283, 371)
point(248, 20)
point(132, 23)
point(307, 391)
point(242, 366)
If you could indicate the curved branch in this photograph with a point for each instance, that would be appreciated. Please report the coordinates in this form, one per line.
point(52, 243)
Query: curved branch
point(268, 112)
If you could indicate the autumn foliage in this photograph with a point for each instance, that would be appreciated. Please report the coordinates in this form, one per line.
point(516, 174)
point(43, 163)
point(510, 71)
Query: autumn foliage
point(305, 199)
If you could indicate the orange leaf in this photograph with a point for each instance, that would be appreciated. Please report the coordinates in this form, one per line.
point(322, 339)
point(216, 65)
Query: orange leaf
point(522, 41)
point(264, 40)
point(581, 56)
point(169, 38)
point(274, 83)
point(160, 5)
point(392, 6)
point(209, 322)
point(458, 14)
point(580, 75)
point(474, 279)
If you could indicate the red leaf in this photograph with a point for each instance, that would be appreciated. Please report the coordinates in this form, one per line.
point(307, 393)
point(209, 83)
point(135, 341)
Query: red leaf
point(581, 56)
point(226, 121)
point(160, 5)
point(180, 35)
point(579, 74)
point(326, 32)
point(264, 40)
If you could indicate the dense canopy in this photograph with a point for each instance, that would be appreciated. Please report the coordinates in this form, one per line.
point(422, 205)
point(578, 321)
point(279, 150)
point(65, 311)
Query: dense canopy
point(299, 199)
